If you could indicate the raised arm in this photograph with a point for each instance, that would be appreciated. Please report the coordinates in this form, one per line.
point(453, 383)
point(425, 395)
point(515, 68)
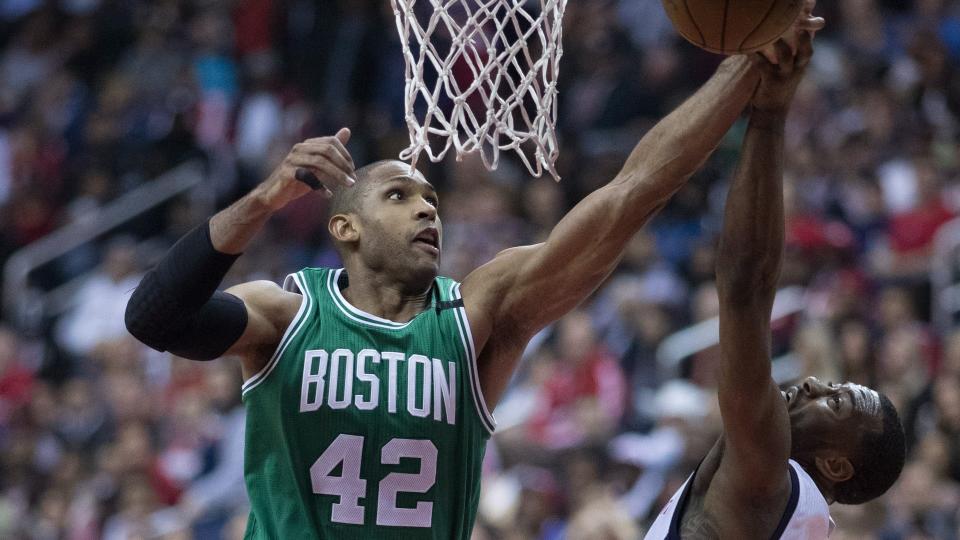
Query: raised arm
point(525, 288)
point(755, 420)
point(177, 308)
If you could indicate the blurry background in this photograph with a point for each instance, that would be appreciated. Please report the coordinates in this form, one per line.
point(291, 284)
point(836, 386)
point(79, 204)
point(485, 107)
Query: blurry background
point(124, 123)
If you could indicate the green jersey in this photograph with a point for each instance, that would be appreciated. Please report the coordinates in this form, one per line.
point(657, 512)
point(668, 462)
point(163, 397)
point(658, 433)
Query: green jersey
point(363, 428)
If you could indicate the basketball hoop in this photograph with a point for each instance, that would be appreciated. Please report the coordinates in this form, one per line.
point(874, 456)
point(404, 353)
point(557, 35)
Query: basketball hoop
point(481, 77)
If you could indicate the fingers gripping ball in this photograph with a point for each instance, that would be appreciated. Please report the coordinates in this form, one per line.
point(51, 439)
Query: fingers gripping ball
point(732, 26)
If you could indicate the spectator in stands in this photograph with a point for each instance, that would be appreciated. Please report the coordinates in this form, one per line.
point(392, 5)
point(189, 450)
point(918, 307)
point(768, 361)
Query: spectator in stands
point(584, 398)
point(16, 380)
point(102, 298)
point(97, 98)
point(218, 490)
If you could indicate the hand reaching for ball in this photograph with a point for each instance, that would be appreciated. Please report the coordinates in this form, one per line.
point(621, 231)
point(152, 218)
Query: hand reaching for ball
point(779, 80)
point(738, 26)
point(806, 22)
point(783, 64)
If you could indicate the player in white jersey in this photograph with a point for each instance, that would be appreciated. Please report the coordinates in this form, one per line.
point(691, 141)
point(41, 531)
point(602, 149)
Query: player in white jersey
point(783, 456)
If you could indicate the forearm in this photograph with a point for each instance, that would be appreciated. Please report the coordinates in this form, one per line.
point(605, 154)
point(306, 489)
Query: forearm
point(748, 264)
point(176, 306)
point(680, 143)
point(751, 242)
point(660, 164)
point(219, 488)
point(232, 229)
point(587, 243)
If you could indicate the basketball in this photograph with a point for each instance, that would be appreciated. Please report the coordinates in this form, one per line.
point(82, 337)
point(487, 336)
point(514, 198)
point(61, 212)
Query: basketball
point(732, 26)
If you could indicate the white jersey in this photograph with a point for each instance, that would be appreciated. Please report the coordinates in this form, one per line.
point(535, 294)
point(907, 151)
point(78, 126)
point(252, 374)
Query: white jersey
point(807, 516)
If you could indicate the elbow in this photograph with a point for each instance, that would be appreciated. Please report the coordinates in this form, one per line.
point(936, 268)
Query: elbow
point(140, 327)
point(744, 293)
point(747, 281)
point(130, 320)
point(639, 195)
point(133, 314)
point(144, 315)
point(133, 320)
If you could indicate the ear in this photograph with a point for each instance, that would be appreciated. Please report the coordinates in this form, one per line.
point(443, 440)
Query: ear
point(343, 228)
point(834, 468)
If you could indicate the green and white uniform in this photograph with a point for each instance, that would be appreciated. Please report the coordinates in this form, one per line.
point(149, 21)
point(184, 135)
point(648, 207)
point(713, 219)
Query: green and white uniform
point(362, 428)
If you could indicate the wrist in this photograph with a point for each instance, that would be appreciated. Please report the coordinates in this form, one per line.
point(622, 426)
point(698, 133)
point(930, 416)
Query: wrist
point(738, 66)
point(261, 201)
point(736, 60)
point(770, 118)
point(232, 228)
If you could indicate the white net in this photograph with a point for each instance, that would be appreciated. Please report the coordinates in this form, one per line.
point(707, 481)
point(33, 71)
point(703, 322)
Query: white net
point(481, 77)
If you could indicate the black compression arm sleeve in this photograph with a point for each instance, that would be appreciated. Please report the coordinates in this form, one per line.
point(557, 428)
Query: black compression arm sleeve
point(177, 308)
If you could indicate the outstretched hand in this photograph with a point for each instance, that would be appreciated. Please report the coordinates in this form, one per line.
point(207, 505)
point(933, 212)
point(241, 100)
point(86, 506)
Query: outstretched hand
point(805, 22)
point(779, 80)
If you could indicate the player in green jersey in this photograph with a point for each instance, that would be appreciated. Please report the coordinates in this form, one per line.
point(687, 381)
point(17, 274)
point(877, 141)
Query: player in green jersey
point(369, 388)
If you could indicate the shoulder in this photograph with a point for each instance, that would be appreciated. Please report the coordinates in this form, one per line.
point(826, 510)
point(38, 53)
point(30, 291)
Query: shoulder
point(270, 310)
point(745, 488)
point(735, 509)
point(809, 492)
point(447, 286)
point(268, 299)
point(261, 290)
point(487, 290)
point(501, 268)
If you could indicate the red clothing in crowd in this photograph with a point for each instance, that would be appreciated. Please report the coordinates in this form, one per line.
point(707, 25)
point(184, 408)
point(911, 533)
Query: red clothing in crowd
point(914, 230)
point(15, 385)
point(597, 378)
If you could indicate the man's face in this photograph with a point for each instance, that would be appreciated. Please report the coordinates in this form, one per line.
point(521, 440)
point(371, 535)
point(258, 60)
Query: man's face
point(400, 227)
point(831, 415)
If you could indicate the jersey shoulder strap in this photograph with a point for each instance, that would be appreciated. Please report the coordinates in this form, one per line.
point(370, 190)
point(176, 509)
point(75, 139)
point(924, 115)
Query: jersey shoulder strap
point(313, 279)
point(447, 294)
point(451, 301)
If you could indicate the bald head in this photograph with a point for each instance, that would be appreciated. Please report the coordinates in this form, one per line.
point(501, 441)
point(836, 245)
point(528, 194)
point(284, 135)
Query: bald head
point(373, 223)
point(347, 200)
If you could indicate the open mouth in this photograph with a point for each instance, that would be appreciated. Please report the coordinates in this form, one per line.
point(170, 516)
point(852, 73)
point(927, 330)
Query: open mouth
point(428, 237)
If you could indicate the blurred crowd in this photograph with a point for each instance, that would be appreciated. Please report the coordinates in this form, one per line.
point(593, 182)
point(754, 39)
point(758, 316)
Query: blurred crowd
point(102, 438)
